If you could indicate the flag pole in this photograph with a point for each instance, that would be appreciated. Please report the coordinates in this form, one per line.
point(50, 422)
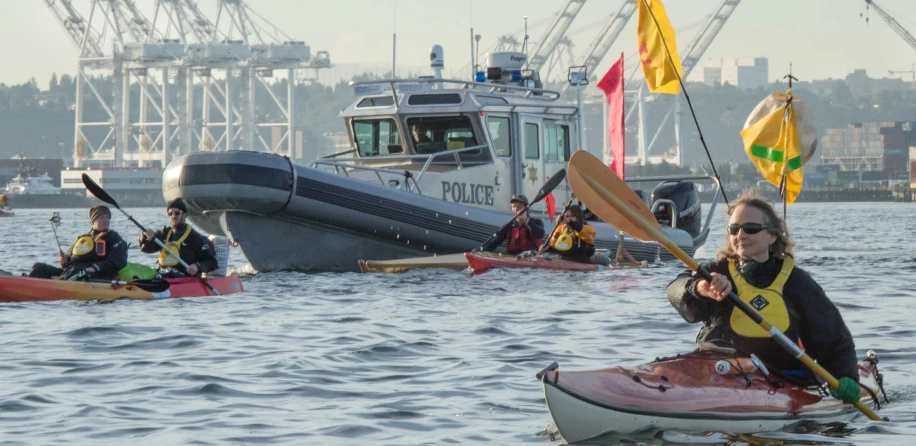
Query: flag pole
point(689, 104)
point(782, 183)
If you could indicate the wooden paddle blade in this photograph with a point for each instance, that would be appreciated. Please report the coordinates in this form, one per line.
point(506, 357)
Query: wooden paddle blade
point(97, 191)
point(606, 195)
point(550, 185)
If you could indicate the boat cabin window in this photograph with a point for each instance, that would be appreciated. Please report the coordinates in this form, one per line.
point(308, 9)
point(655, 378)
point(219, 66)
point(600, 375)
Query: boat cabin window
point(556, 142)
point(377, 137)
point(500, 132)
point(382, 101)
point(433, 134)
point(434, 99)
point(532, 149)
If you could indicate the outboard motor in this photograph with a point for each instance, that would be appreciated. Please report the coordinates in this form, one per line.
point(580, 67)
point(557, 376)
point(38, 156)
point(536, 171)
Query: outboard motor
point(680, 201)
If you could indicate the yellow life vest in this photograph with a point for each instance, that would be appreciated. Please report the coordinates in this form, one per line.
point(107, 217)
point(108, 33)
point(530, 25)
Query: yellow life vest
point(86, 244)
point(166, 259)
point(564, 239)
point(768, 302)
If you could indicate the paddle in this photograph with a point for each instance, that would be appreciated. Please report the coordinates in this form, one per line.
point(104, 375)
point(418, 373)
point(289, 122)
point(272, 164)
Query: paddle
point(100, 193)
point(55, 223)
point(572, 197)
point(612, 200)
point(547, 188)
point(153, 286)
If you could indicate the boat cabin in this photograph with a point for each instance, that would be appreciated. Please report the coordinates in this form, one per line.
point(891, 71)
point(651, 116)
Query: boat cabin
point(476, 143)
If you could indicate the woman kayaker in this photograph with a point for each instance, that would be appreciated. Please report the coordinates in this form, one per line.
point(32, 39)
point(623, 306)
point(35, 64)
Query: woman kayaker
point(573, 239)
point(757, 262)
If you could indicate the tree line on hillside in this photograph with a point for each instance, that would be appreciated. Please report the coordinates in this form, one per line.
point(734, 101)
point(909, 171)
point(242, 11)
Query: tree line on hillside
point(36, 121)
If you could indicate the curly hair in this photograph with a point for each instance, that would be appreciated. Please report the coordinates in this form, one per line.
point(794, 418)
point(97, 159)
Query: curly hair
point(782, 247)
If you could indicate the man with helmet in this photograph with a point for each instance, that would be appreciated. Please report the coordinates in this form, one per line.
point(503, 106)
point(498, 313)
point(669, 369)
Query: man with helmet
point(523, 234)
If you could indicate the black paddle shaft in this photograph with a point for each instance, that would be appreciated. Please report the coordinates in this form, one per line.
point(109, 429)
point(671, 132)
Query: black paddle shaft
point(100, 193)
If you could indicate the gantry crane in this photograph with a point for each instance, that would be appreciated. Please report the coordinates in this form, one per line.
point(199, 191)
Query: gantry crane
point(606, 37)
point(912, 72)
point(554, 34)
point(892, 22)
point(695, 51)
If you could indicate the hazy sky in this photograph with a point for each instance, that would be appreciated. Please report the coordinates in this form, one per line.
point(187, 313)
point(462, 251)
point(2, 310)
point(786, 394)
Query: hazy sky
point(821, 38)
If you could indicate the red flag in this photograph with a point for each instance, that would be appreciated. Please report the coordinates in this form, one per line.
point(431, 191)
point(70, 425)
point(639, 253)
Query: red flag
point(612, 86)
point(550, 205)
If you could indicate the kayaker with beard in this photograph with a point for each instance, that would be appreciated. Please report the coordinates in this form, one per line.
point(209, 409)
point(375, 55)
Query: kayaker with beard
point(757, 262)
point(97, 254)
point(574, 238)
point(524, 234)
point(195, 249)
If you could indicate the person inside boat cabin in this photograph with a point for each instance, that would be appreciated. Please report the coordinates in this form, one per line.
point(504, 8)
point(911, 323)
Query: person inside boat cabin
point(574, 238)
point(757, 263)
point(97, 254)
point(195, 249)
point(524, 234)
point(420, 134)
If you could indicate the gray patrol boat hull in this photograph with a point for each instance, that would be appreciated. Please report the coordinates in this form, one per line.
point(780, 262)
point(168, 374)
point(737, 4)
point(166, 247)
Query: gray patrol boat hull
point(286, 216)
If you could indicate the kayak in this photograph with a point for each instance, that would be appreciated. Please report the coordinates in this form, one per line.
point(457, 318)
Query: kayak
point(482, 262)
point(27, 289)
point(455, 262)
point(695, 392)
point(7, 213)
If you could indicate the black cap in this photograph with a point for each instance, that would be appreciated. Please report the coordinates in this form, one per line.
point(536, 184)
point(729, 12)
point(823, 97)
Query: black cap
point(520, 199)
point(177, 203)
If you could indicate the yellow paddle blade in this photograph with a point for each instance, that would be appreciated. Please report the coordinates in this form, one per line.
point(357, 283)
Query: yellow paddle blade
point(603, 193)
point(615, 203)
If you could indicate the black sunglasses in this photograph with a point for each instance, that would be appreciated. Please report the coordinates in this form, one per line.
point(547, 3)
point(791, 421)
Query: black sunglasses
point(175, 213)
point(749, 228)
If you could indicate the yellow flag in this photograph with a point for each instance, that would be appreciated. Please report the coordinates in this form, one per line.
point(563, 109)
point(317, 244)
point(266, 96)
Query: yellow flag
point(658, 48)
point(773, 146)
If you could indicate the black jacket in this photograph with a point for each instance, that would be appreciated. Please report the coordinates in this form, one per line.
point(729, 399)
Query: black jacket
point(107, 265)
point(814, 319)
point(194, 249)
point(535, 229)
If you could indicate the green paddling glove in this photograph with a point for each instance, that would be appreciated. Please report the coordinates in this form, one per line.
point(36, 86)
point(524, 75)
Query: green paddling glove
point(848, 392)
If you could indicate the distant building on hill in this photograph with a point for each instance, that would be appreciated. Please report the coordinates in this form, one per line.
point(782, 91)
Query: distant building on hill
point(747, 72)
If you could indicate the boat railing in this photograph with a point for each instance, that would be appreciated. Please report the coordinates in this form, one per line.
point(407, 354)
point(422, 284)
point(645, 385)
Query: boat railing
point(343, 165)
point(425, 84)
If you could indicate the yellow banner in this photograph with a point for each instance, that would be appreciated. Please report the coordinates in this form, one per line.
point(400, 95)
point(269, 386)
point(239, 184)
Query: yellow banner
point(773, 146)
point(658, 48)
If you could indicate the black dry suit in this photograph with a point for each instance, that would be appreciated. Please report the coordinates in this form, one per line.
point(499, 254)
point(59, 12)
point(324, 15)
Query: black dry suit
point(812, 318)
point(106, 251)
point(192, 248)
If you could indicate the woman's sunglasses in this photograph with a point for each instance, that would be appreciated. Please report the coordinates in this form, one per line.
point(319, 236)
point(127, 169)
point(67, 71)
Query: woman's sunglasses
point(749, 228)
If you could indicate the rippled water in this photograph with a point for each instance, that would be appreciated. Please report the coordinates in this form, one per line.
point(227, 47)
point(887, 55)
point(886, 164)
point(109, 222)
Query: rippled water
point(420, 358)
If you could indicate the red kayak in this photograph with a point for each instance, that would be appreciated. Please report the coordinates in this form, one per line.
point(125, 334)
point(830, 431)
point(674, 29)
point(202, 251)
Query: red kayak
point(482, 262)
point(27, 289)
point(696, 392)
